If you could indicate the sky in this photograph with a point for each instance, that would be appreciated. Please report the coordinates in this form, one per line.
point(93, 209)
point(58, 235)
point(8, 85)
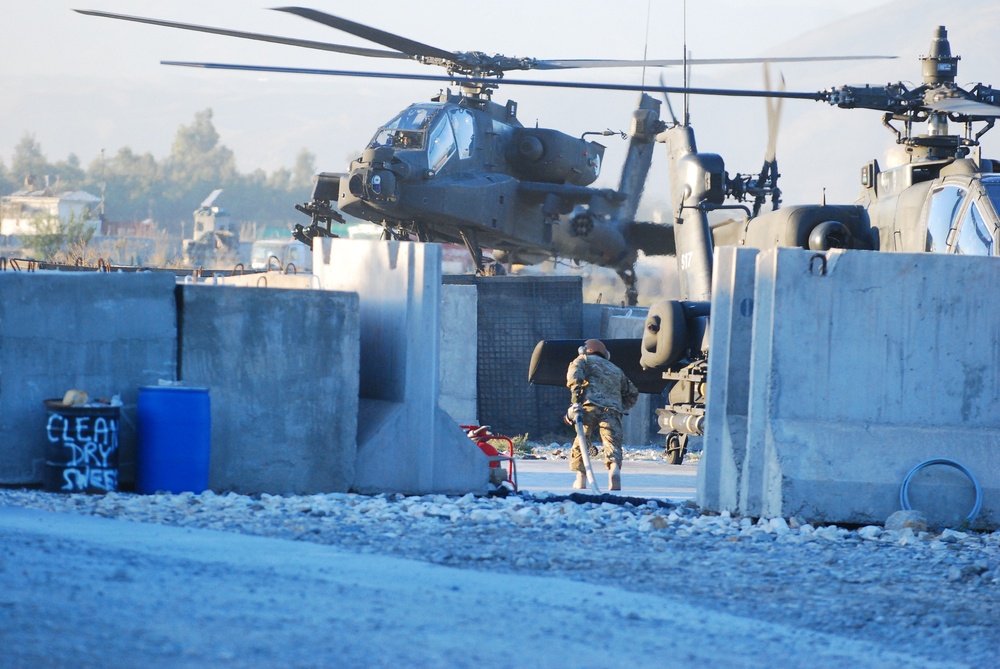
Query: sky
point(81, 84)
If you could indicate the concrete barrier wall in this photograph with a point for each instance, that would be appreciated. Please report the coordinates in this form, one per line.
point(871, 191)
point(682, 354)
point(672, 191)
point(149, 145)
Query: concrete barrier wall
point(406, 442)
point(863, 366)
point(459, 351)
point(282, 369)
point(727, 400)
point(104, 333)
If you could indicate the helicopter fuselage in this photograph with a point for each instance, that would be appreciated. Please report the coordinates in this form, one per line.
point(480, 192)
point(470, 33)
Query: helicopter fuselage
point(464, 170)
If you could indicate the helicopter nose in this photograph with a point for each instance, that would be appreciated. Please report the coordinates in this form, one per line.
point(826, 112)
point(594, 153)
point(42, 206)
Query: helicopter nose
point(376, 184)
point(357, 184)
point(382, 185)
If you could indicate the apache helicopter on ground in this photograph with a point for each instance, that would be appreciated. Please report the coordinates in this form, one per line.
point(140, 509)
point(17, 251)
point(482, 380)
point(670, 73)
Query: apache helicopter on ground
point(946, 199)
point(461, 168)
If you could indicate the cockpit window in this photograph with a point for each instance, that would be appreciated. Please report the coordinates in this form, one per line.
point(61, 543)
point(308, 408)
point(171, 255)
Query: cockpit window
point(465, 131)
point(408, 129)
point(974, 239)
point(992, 186)
point(441, 145)
point(944, 207)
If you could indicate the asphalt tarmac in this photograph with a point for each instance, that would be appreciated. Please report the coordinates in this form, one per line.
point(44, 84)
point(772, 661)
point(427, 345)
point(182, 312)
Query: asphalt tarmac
point(647, 479)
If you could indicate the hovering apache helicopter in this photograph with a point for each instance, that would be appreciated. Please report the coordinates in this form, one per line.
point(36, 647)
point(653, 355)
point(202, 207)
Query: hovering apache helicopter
point(946, 199)
point(461, 168)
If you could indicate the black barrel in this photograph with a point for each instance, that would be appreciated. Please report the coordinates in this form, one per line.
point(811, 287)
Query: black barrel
point(81, 447)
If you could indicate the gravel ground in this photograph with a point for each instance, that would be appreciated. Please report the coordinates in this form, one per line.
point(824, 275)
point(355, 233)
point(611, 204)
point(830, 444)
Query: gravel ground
point(933, 593)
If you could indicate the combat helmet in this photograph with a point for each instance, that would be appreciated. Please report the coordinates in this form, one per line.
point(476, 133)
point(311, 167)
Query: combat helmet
point(596, 347)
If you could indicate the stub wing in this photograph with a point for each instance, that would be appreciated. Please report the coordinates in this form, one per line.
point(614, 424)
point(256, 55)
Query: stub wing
point(653, 239)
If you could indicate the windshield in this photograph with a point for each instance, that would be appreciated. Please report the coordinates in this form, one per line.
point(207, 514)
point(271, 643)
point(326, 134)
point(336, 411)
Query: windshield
point(974, 238)
point(945, 203)
point(408, 129)
point(465, 131)
point(442, 145)
point(992, 186)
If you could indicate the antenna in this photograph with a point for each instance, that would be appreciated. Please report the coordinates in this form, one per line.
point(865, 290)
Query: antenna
point(687, 115)
point(645, 46)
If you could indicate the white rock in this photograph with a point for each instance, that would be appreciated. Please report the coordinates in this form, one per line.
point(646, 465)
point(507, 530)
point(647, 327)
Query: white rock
point(952, 536)
point(829, 532)
point(870, 532)
point(777, 526)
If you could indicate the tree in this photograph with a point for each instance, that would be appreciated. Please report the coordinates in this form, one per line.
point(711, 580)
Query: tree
point(138, 186)
point(29, 162)
point(7, 185)
point(131, 182)
point(53, 237)
point(305, 168)
point(71, 176)
point(197, 165)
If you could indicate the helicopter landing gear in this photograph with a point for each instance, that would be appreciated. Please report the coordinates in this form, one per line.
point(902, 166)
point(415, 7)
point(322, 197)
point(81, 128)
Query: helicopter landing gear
point(676, 448)
point(474, 251)
point(631, 292)
point(485, 266)
point(318, 210)
point(306, 235)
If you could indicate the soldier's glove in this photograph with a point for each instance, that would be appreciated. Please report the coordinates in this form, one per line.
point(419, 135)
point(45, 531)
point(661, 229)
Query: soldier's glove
point(572, 413)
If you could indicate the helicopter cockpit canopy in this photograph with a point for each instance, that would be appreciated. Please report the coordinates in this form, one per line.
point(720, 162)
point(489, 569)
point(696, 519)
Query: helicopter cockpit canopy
point(408, 129)
point(440, 129)
point(963, 221)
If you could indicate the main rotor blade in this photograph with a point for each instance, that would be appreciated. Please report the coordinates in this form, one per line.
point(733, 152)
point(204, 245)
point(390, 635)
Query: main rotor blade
point(965, 107)
point(382, 37)
point(309, 44)
point(479, 81)
point(666, 98)
point(773, 116)
point(573, 63)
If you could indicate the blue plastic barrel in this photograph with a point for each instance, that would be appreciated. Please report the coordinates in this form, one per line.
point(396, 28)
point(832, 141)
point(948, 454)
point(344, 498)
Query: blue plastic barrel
point(174, 432)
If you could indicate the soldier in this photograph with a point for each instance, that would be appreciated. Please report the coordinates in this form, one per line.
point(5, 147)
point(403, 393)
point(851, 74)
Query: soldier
point(600, 393)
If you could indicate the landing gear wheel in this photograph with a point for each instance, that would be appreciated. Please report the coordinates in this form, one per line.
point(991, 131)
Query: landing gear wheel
point(676, 447)
point(631, 292)
point(492, 268)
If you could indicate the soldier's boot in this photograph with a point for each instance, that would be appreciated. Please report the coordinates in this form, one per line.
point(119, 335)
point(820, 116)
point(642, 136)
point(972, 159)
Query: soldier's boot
point(581, 481)
point(614, 477)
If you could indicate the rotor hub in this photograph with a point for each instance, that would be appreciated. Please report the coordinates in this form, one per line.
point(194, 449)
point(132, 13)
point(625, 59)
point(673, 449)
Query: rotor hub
point(940, 67)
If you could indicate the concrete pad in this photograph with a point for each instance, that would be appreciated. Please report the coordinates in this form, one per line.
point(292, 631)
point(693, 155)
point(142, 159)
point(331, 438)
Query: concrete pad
point(104, 333)
point(282, 371)
point(271, 279)
point(646, 479)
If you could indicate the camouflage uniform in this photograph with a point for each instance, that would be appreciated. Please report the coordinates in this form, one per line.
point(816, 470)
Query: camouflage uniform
point(605, 393)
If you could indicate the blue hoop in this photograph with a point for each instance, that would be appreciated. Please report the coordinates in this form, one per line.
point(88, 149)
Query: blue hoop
point(904, 497)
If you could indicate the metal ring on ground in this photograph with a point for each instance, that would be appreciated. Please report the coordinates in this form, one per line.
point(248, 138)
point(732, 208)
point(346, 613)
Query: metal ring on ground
point(904, 497)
